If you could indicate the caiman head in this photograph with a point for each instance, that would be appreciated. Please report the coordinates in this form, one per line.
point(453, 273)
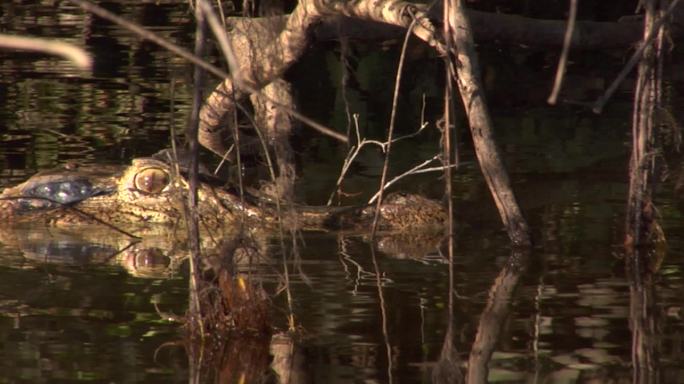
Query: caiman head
point(141, 194)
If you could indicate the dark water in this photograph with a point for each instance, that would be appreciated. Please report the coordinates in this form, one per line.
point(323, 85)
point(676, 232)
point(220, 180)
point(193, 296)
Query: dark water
point(76, 307)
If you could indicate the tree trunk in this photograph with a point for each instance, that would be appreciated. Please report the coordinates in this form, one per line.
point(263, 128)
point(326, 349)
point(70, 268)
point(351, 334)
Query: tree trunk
point(481, 127)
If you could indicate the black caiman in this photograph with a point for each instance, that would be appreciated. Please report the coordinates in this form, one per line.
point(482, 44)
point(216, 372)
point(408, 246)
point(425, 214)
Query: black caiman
point(145, 193)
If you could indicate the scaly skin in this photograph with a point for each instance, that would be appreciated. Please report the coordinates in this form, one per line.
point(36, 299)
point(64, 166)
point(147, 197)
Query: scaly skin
point(145, 195)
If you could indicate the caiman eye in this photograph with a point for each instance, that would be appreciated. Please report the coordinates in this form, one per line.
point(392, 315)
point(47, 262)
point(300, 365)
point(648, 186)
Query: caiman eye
point(151, 180)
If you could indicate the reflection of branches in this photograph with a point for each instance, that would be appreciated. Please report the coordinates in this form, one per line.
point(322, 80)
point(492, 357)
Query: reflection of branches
point(537, 327)
point(383, 312)
point(289, 360)
point(642, 319)
point(493, 316)
point(447, 369)
point(346, 256)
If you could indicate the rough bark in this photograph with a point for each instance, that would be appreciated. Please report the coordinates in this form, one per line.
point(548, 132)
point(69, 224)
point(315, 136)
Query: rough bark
point(469, 84)
point(644, 238)
point(265, 51)
point(642, 228)
point(276, 125)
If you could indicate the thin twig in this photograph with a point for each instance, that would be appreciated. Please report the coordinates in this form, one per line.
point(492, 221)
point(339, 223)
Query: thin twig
point(71, 207)
point(390, 132)
point(281, 230)
point(192, 216)
point(414, 171)
point(448, 96)
point(225, 45)
point(356, 149)
point(344, 53)
point(222, 15)
point(563, 61)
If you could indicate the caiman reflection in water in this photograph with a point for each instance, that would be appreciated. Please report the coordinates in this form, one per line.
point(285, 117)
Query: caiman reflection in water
point(145, 193)
point(151, 257)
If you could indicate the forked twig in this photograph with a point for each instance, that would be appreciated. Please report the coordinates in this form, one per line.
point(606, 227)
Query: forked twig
point(418, 169)
point(356, 149)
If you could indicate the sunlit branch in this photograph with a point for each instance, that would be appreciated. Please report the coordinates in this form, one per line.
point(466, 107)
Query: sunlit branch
point(356, 149)
point(79, 57)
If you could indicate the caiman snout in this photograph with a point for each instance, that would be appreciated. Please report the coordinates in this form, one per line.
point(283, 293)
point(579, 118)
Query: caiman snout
point(56, 188)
